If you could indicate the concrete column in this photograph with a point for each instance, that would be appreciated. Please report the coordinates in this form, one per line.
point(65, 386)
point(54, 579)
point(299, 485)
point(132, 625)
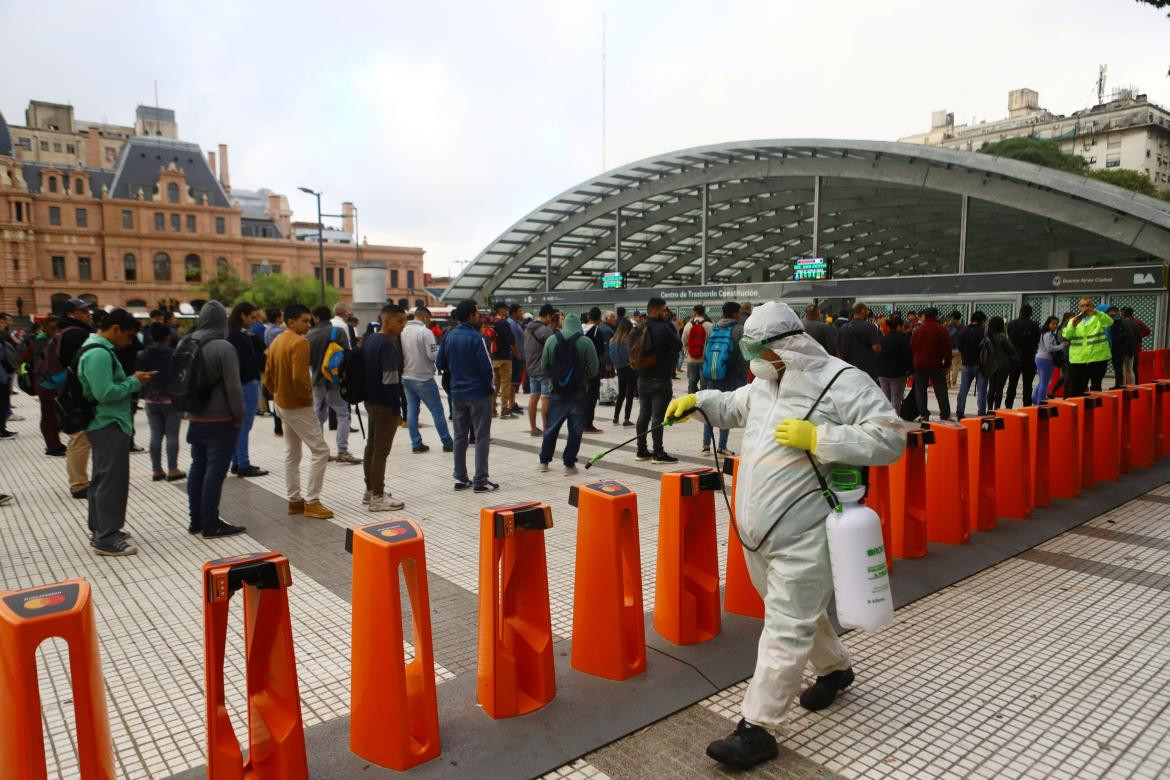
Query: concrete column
point(224, 177)
point(816, 232)
point(548, 268)
point(617, 239)
point(703, 253)
point(963, 234)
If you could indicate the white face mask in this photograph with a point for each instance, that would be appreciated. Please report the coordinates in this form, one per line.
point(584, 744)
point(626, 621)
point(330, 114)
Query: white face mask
point(763, 369)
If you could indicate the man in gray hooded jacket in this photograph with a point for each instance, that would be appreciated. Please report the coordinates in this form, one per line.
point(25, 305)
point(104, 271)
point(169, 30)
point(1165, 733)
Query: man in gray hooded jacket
point(212, 430)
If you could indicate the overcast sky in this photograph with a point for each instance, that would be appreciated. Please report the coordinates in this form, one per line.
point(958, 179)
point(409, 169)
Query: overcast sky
point(445, 122)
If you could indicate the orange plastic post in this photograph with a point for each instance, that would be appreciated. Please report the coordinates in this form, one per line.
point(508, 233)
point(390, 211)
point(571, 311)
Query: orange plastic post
point(1136, 429)
point(1161, 390)
point(948, 501)
point(1040, 421)
point(739, 594)
point(981, 469)
point(609, 631)
point(27, 618)
point(908, 509)
point(877, 498)
point(516, 673)
point(1014, 493)
point(1106, 438)
point(686, 588)
point(1088, 408)
point(1162, 363)
point(1145, 366)
point(393, 712)
point(276, 735)
point(1064, 450)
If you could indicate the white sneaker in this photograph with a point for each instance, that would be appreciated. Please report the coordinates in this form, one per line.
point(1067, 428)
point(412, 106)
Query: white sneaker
point(570, 471)
point(366, 498)
point(385, 504)
point(544, 467)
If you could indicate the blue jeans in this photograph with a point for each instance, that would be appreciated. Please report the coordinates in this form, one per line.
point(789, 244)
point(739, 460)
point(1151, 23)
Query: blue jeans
point(966, 375)
point(212, 444)
point(251, 404)
point(164, 422)
point(709, 436)
point(427, 392)
point(1045, 368)
point(561, 408)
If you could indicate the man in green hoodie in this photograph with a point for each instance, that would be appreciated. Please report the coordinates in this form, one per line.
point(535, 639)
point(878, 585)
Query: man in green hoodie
point(569, 360)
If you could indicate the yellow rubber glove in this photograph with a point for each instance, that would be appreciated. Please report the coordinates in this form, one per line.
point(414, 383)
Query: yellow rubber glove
point(800, 434)
point(680, 406)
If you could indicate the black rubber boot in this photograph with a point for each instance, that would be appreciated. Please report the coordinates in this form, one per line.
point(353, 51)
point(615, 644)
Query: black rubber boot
point(747, 746)
point(822, 693)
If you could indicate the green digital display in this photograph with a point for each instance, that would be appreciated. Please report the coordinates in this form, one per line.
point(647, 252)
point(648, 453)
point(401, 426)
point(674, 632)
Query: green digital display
point(613, 280)
point(812, 268)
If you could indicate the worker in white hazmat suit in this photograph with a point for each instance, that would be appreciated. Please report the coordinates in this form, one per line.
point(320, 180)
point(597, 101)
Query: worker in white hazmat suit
point(780, 508)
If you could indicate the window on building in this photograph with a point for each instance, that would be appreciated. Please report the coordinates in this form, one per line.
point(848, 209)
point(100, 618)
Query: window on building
point(160, 221)
point(79, 186)
point(82, 218)
point(44, 146)
point(84, 269)
point(162, 267)
point(410, 280)
point(111, 154)
point(219, 226)
point(317, 272)
point(129, 267)
point(26, 144)
point(18, 211)
point(1113, 142)
point(71, 148)
point(54, 215)
point(1113, 163)
point(418, 302)
point(221, 265)
point(329, 275)
point(190, 223)
point(393, 278)
point(403, 302)
point(127, 220)
point(341, 277)
point(52, 184)
point(257, 270)
point(56, 146)
point(193, 268)
point(176, 223)
point(276, 268)
point(58, 267)
point(172, 193)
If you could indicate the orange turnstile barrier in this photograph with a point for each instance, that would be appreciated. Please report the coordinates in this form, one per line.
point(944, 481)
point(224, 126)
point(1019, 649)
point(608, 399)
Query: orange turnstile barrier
point(739, 594)
point(276, 735)
point(394, 715)
point(515, 673)
point(1161, 390)
point(27, 618)
point(981, 469)
point(609, 628)
point(948, 502)
point(877, 498)
point(1136, 431)
point(1014, 494)
point(1106, 438)
point(1161, 364)
point(1088, 408)
point(1040, 432)
point(686, 588)
point(908, 510)
point(1146, 366)
point(1064, 449)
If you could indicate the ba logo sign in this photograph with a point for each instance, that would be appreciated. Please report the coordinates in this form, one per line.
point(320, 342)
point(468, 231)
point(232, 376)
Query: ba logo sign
point(1141, 278)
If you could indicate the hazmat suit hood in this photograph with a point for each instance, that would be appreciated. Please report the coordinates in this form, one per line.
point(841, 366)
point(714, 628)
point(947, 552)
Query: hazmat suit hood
point(212, 322)
point(856, 426)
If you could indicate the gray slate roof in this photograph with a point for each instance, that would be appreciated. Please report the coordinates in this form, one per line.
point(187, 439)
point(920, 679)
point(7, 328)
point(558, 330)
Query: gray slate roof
point(143, 156)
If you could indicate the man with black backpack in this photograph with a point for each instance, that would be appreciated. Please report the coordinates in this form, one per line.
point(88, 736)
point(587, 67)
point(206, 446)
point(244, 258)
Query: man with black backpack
point(598, 334)
point(98, 398)
point(570, 361)
point(382, 366)
point(327, 346)
point(654, 348)
point(75, 326)
point(723, 367)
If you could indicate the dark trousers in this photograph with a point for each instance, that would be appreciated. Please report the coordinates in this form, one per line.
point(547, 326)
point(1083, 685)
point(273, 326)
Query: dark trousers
point(109, 485)
point(212, 445)
point(560, 409)
point(472, 417)
point(627, 392)
point(379, 440)
point(5, 399)
point(1083, 376)
point(653, 398)
point(594, 393)
point(1118, 368)
point(995, 384)
point(50, 431)
point(939, 378)
point(1027, 373)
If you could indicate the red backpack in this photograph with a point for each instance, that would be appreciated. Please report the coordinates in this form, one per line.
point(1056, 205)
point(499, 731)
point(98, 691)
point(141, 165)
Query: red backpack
point(697, 340)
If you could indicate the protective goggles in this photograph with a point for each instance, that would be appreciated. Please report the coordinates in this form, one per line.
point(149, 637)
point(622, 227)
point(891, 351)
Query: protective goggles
point(751, 349)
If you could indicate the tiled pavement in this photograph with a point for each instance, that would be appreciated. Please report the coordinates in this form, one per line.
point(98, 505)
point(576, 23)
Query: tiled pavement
point(1052, 664)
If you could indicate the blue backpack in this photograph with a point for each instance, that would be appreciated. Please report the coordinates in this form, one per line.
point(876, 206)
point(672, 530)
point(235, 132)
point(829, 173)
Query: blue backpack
point(566, 378)
point(718, 352)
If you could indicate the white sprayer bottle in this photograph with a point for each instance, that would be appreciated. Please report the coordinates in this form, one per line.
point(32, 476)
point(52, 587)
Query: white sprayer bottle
point(857, 555)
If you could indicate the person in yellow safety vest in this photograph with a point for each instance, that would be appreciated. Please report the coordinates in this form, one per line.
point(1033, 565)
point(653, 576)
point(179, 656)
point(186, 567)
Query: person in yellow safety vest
point(1089, 352)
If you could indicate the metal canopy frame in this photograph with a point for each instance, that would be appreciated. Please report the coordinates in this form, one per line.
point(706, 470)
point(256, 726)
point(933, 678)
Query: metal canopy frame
point(743, 211)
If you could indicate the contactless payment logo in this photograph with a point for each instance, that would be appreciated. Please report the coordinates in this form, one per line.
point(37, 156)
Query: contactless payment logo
point(43, 601)
point(393, 531)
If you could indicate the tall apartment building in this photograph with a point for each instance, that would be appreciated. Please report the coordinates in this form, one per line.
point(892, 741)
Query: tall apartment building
point(156, 223)
point(1127, 131)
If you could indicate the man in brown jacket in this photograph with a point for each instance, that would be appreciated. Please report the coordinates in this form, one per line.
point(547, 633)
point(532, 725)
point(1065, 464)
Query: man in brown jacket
point(287, 378)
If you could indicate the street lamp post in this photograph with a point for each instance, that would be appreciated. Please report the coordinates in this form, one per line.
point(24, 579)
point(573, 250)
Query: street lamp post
point(320, 240)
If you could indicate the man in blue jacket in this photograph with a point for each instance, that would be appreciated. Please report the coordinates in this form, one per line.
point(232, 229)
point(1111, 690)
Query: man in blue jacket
point(465, 356)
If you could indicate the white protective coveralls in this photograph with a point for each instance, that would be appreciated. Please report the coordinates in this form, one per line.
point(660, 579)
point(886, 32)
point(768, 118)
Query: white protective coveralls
point(855, 425)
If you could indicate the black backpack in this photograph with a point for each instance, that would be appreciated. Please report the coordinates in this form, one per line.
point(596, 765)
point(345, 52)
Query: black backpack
point(185, 384)
point(352, 382)
point(567, 377)
point(75, 410)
